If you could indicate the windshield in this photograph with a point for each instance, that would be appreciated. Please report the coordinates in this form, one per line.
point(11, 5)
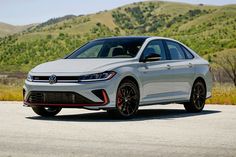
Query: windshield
point(109, 48)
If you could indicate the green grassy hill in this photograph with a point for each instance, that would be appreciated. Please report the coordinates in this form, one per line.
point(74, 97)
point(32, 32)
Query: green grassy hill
point(206, 29)
point(7, 29)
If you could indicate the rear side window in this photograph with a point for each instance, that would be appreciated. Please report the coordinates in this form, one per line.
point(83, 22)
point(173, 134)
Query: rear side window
point(187, 53)
point(176, 52)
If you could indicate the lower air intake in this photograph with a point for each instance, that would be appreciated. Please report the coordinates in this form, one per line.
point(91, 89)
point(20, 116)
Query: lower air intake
point(58, 98)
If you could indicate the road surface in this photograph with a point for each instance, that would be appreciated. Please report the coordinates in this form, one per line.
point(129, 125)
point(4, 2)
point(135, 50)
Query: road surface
point(165, 130)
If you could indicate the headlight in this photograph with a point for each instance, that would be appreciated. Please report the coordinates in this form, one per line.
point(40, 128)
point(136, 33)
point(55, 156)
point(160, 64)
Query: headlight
point(97, 77)
point(29, 78)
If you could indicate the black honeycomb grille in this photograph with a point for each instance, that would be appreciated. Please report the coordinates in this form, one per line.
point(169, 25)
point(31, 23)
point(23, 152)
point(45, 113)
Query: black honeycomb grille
point(57, 98)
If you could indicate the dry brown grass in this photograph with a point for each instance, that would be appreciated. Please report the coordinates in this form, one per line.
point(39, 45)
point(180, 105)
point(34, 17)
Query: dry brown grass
point(10, 93)
point(11, 89)
point(223, 94)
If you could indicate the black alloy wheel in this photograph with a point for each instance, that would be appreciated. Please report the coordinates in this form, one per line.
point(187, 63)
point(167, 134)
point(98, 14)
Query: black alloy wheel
point(127, 100)
point(198, 97)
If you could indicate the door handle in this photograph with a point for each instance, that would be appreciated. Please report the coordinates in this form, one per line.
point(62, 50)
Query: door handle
point(168, 67)
point(190, 65)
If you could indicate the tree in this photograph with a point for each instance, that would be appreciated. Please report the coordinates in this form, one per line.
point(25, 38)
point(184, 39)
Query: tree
point(227, 61)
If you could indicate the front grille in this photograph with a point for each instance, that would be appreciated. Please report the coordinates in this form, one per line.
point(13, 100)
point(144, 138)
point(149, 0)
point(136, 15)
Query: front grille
point(59, 78)
point(58, 98)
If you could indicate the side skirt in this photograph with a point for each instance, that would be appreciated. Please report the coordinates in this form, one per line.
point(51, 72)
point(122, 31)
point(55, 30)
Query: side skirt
point(163, 102)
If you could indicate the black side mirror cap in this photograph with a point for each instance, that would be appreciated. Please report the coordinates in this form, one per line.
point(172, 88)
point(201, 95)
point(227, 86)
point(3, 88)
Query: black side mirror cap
point(151, 57)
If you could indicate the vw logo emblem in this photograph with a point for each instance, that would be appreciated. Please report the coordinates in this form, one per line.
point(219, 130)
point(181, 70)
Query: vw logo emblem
point(53, 79)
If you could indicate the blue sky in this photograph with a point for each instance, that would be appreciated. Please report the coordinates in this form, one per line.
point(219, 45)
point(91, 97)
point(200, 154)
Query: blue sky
point(20, 12)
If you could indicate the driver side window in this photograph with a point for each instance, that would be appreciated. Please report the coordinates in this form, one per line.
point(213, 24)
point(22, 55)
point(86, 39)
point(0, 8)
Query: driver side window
point(155, 47)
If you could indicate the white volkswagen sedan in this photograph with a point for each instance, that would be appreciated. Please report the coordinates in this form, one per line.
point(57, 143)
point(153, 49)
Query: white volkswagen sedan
point(119, 74)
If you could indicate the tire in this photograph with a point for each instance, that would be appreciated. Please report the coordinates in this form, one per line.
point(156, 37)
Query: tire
point(46, 111)
point(127, 100)
point(197, 99)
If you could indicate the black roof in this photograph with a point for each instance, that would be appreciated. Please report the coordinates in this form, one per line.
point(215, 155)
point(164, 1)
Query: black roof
point(124, 37)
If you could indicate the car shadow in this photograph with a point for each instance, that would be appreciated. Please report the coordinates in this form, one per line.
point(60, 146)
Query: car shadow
point(143, 114)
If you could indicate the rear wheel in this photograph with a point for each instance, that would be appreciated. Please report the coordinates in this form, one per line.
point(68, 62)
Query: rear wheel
point(46, 111)
point(198, 97)
point(127, 100)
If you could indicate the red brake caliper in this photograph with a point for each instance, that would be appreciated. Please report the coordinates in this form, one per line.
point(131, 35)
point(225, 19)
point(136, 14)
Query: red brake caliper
point(119, 100)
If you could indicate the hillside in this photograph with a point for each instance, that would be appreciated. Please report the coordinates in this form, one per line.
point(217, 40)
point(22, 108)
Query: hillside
point(206, 29)
point(7, 29)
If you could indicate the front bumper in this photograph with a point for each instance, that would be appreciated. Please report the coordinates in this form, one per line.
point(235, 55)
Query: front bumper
point(70, 94)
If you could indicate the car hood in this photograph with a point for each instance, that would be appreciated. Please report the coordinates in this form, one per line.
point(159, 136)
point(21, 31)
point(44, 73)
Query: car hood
point(76, 66)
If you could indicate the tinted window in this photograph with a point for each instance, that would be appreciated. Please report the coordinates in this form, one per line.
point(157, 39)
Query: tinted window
point(92, 51)
point(175, 50)
point(156, 47)
point(187, 53)
point(109, 48)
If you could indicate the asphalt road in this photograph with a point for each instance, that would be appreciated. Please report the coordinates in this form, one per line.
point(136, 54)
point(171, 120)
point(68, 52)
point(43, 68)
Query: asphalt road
point(156, 131)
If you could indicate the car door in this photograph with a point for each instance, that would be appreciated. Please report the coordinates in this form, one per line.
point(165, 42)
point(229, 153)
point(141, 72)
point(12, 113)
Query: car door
point(182, 70)
point(156, 75)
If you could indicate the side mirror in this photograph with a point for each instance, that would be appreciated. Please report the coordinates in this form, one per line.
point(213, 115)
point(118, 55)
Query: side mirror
point(152, 57)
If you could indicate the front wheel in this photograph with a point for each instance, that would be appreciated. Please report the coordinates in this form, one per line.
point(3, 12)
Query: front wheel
point(198, 97)
point(127, 100)
point(46, 111)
